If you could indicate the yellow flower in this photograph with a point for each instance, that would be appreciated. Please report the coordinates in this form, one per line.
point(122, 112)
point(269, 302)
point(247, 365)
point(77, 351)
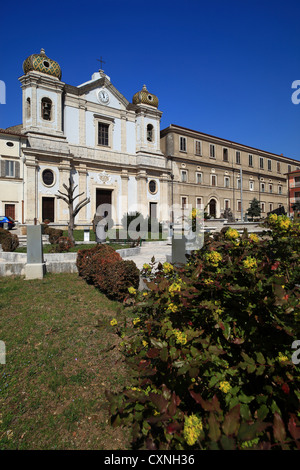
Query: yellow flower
point(192, 429)
point(131, 290)
point(146, 266)
point(136, 320)
point(250, 263)
point(156, 413)
point(232, 234)
point(172, 307)
point(273, 218)
point(225, 386)
point(144, 343)
point(145, 294)
point(213, 258)
point(254, 237)
point(175, 287)
point(181, 337)
point(282, 358)
point(208, 281)
point(284, 223)
point(113, 322)
point(167, 268)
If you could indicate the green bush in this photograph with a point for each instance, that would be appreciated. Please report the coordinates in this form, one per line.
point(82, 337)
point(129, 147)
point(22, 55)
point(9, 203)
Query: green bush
point(212, 346)
point(9, 241)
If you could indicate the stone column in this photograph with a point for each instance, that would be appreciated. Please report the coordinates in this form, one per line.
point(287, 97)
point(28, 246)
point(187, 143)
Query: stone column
point(124, 193)
point(31, 189)
point(82, 188)
point(142, 200)
point(62, 208)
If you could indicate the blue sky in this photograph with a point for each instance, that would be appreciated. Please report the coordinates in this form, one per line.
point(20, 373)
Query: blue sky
point(220, 67)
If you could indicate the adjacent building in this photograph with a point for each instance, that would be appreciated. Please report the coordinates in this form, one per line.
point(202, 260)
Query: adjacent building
point(294, 190)
point(218, 174)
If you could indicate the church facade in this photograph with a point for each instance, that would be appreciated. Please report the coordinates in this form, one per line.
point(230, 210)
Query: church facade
point(118, 157)
point(109, 146)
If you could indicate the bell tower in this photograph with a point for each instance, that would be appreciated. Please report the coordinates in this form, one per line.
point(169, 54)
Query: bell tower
point(42, 95)
point(147, 122)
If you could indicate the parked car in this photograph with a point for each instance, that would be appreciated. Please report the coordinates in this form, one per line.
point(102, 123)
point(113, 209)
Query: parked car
point(6, 220)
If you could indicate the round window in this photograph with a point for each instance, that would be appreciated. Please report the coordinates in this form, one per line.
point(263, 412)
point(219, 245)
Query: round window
point(9, 144)
point(46, 64)
point(152, 186)
point(48, 177)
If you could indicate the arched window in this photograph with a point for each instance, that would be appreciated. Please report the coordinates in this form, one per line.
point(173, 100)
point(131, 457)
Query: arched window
point(46, 109)
point(150, 133)
point(28, 108)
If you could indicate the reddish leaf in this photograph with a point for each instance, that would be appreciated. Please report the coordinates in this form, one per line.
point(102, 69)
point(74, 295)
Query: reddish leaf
point(232, 421)
point(278, 428)
point(212, 405)
point(214, 429)
point(153, 352)
point(175, 401)
point(159, 401)
point(293, 428)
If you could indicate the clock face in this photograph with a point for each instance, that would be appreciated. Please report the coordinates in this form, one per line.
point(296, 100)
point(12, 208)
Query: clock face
point(103, 96)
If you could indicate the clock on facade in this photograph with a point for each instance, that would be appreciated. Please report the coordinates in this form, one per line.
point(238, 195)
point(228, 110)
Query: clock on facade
point(103, 96)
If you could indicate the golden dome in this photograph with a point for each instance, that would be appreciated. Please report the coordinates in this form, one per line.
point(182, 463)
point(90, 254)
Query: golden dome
point(144, 97)
point(41, 63)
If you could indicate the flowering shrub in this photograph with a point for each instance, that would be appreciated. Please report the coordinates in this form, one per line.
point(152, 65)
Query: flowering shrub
point(63, 245)
point(212, 348)
point(9, 241)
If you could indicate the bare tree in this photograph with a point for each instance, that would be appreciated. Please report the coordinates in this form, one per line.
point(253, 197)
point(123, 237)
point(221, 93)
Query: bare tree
point(69, 198)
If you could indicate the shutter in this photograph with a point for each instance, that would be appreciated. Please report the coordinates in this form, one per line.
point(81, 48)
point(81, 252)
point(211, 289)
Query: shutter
point(17, 169)
point(2, 168)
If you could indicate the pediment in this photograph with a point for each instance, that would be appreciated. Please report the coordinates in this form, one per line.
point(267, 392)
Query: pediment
point(92, 88)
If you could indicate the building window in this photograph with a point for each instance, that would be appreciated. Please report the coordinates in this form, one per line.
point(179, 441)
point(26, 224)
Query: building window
point(183, 176)
point(251, 185)
point(279, 189)
point(238, 157)
point(262, 187)
point(198, 150)
point(278, 167)
point(199, 178)
point(271, 206)
point(239, 206)
point(103, 130)
point(270, 188)
point(198, 202)
point(270, 165)
point(289, 168)
point(261, 163)
point(225, 155)
point(238, 183)
point(226, 204)
point(152, 187)
point(297, 181)
point(250, 160)
point(212, 153)
point(183, 202)
point(150, 133)
point(226, 182)
point(46, 110)
point(182, 144)
point(263, 207)
point(213, 180)
point(48, 177)
point(9, 168)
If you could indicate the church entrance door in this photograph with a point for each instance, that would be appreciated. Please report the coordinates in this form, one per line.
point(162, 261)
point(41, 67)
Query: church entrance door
point(212, 208)
point(48, 208)
point(103, 198)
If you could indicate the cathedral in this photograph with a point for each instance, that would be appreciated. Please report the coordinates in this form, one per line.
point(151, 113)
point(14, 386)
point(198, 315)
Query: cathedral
point(91, 132)
point(117, 156)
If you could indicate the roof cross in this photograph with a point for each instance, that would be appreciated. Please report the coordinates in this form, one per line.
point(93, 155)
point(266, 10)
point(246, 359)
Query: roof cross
point(101, 61)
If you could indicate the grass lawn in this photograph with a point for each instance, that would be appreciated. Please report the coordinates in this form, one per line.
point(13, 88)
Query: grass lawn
point(61, 356)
